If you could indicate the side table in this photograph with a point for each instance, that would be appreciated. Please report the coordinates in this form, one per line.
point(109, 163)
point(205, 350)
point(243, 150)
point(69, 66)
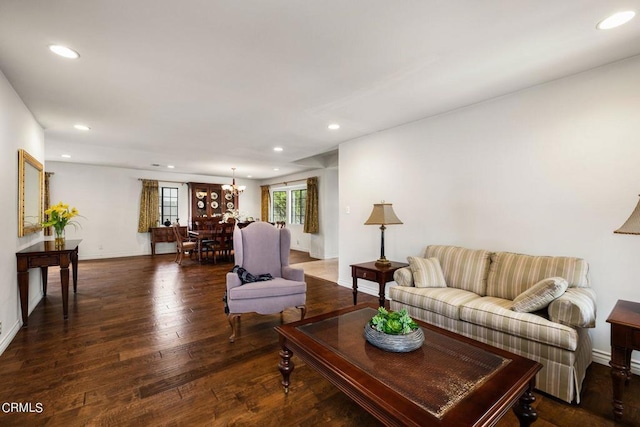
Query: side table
point(45, 254)
point(163, 235)
point(625, 337)
point(370, 271)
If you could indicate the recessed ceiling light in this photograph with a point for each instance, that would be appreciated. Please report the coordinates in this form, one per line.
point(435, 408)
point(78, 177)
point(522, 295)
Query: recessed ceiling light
point(334, 126)
point(616, 20)
point(64, 51)
point(278, 149)
point(81, 127)
point(249, 176)
point(66, 156)
point(170, 166)
point(276, 169)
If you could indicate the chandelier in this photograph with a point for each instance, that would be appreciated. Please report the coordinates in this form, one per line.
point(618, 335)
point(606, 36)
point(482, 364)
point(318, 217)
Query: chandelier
point(233, 188)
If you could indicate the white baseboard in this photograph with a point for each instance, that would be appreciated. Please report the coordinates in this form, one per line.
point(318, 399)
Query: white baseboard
point(367, 287)
point(603, 358)
point(9, 336)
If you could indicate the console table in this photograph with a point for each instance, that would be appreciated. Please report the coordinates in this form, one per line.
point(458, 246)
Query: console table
point(164, 235)
point(625, 337)
point(43, 255)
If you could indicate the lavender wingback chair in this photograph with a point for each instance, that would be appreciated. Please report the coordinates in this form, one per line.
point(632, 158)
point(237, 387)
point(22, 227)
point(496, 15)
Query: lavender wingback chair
point(261, 248)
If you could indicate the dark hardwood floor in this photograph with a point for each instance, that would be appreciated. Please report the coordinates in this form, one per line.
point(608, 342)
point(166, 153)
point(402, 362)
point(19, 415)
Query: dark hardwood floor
point(146, 344)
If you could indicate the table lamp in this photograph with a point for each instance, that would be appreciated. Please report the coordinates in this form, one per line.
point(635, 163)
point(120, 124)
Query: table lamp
point(382, 214)
point(632, 225)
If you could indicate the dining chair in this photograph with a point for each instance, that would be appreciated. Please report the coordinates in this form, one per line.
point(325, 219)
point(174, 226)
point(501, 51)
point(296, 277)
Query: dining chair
point(224, 243)
point(183, 244)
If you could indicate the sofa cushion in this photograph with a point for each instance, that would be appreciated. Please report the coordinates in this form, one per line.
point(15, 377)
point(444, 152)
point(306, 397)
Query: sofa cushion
point(576, 307)
point(511, 274)
point(444, 301)
point(495, 313)
point(539, 295)
point(427, 272)
point(462, 268)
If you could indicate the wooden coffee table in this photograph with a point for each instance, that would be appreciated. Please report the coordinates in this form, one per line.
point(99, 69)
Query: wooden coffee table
point(450, 381)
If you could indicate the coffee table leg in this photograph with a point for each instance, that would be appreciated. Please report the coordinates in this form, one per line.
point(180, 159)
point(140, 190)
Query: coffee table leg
point(285, 365)
point(526, 414)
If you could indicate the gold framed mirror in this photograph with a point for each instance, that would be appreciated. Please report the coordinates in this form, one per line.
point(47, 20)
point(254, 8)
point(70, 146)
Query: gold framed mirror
point(30, 193)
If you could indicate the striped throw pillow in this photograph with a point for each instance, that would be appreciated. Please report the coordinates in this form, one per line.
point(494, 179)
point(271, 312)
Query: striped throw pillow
point(427, 272)
point(539, 295)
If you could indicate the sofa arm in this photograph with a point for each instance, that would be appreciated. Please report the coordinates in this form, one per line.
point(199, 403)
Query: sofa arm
point(403, 277)
point(575, 308)
point(233, 281)
point(295, 274)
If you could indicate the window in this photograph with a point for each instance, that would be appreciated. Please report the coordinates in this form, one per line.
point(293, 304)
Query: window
point(298, 201)
point(279, 206)
point(169, 204)
point(289, 204)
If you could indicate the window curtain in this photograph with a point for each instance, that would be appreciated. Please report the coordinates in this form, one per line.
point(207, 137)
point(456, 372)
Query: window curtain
point(311, 222)
point(47, 200)
point(149, 206)
point(264, 202)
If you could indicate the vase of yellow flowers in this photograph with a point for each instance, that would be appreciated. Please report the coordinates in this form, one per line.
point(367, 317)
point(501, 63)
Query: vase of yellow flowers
point(59, 217)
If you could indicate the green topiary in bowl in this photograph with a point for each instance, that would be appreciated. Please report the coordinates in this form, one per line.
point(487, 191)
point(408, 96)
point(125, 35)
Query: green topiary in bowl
point(393, 323)
point(393, 331)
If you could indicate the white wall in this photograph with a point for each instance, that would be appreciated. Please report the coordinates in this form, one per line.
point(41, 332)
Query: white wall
point(328, 246)
point(324, 244)
point(109, 200)
point(551, 170)
point(18, 129)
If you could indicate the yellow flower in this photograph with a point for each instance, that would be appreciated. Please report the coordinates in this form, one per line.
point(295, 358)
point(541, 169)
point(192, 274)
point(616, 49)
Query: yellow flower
point(59, 216)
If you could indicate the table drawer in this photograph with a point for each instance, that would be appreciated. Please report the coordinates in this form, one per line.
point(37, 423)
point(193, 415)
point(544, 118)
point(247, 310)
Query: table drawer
point(165, 234)
point(44, 261)
point(365, 274)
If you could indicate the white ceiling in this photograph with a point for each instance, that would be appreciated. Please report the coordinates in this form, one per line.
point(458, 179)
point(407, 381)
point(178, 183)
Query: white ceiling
point(207, 85)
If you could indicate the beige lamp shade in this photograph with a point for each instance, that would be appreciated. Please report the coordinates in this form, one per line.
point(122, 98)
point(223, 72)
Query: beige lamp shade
point(382, 214)
point(632, 225)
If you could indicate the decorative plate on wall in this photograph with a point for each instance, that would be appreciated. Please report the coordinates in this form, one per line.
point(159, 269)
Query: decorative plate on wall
point(201, 194)
point(230, 205)
point(214, 196)
point(200, 204)
point(214, 205)
point(228, 196)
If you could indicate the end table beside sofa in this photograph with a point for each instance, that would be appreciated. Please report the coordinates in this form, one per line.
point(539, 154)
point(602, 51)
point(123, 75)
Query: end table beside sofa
point(625, 337)
point(374, 273)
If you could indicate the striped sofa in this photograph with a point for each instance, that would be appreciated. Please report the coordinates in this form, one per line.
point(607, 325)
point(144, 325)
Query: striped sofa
point(473, 291)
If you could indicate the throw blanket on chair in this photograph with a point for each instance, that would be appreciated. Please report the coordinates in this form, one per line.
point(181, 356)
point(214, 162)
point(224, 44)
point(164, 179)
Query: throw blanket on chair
point(245, 277)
